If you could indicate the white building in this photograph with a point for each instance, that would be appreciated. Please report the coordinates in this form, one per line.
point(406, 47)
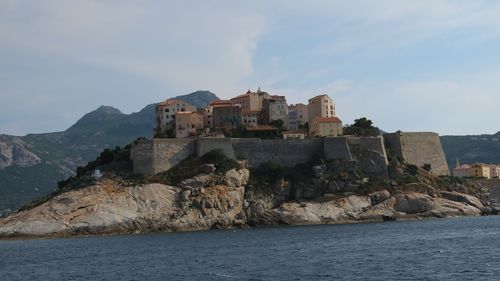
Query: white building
point(165, 113)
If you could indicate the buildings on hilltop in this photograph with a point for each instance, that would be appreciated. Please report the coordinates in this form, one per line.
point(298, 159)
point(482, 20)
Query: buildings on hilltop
point(226, 116)
point(251, 101)
point(322, 106)
point(297, 116)
point(166, 114)
point(274, 108)
point(252, 113)
point(187, 124)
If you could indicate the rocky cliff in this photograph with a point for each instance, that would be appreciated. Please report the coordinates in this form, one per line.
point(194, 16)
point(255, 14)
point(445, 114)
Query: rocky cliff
point(227, 199)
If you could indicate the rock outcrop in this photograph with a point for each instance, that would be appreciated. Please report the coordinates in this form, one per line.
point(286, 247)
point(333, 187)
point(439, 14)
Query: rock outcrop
point(227, 199)
point(14, 152)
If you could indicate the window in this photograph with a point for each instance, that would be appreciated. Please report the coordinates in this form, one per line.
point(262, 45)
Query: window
point(167, 110)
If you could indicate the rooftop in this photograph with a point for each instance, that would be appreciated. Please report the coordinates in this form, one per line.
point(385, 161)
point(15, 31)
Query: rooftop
point(327, 119)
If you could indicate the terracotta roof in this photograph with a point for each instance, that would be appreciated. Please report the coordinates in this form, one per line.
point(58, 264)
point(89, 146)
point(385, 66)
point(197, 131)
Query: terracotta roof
point(242, 95)
point(219, 102)
point(225, 105)
point(262, 128)
point(318, 96)
point(327, 119)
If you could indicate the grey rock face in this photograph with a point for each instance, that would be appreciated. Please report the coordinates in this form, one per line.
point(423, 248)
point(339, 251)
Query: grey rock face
point(15, 153)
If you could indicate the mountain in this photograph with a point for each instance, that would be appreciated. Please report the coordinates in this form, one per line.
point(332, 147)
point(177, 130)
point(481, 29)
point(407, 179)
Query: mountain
point(199, 98)
point(471, 149)
point(31, 166)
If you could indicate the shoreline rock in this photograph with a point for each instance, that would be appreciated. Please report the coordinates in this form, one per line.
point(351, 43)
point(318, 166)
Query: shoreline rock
point(110, 208)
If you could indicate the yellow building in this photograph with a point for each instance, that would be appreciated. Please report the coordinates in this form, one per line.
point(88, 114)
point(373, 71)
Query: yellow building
point(187, 123)
point(480, 170)
point(495, 171)
point(322, 106)
point(325, 127)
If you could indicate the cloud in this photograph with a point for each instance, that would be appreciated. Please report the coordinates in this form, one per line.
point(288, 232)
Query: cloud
point(176, 47)
point(383, 58)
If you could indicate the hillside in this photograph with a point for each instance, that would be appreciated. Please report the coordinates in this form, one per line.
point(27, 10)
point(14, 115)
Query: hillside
point(31, 166)
point(471, 149)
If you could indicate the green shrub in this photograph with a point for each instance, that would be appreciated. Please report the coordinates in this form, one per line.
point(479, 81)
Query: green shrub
point(412, 170)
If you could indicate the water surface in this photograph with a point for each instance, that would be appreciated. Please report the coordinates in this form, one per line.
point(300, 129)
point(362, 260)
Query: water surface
point(441, 249)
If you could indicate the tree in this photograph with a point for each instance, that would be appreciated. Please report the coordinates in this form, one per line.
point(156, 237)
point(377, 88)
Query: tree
point(361, 127)
point(278, 124)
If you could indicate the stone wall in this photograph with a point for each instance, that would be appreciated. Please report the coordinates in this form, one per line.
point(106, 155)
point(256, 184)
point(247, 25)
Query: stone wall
point(287, 153)
point(206, 145)
point(419, 149)
point(158, 155)
point(370, 154)
point(336, 148)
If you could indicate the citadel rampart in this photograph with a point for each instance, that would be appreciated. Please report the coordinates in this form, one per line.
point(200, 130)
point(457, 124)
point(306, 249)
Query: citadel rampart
point(159, 155)
point(419, 149)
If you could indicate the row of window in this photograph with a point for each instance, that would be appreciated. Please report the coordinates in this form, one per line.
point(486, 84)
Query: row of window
point(173, 109)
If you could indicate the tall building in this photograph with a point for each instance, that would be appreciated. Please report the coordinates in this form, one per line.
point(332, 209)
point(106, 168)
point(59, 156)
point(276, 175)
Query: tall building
point(165, 113)
point(297, 116)
point(322, 106)
point(225, 115)
point(274, 108)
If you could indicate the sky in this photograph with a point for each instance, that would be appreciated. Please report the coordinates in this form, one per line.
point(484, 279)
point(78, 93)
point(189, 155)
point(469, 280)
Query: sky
point(427, 65)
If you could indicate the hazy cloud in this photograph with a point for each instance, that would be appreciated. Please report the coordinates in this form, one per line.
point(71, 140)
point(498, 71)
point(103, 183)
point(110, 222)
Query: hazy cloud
point(411, 65)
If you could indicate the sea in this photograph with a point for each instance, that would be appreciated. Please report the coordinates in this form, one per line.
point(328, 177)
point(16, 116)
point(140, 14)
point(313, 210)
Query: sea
point(435, 249)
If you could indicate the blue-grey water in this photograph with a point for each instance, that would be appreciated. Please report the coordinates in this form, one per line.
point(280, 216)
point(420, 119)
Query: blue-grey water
point(441, 249)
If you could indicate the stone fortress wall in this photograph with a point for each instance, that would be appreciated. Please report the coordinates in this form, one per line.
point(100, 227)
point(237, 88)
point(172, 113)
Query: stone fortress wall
point(159, 155)
point(419, 149)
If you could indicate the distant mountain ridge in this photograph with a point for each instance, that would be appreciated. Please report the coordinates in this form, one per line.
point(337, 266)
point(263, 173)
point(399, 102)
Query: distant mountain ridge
point(471, 149)
point(30, 166)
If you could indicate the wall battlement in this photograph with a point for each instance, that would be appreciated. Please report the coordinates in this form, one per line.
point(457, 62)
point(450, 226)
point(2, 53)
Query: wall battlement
point(159, 155)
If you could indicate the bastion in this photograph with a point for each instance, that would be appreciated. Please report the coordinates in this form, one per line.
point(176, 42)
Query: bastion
point(419, 148)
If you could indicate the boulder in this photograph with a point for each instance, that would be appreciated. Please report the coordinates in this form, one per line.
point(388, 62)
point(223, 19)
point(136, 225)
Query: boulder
point(413, 203)
point(236, 178)
point(379, 196)
point(448, 208)
point(464, 198)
